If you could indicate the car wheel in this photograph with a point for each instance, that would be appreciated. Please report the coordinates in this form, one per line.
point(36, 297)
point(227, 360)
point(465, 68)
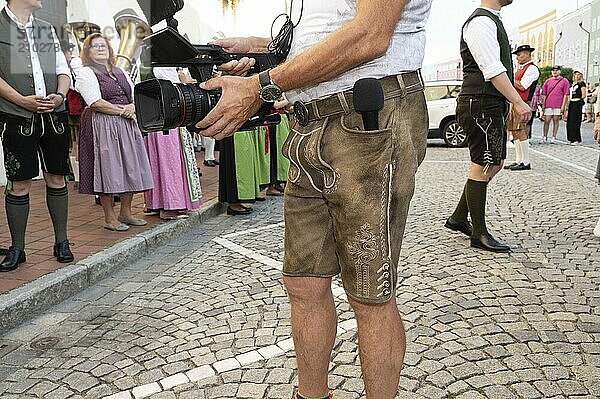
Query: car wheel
point(453, 134)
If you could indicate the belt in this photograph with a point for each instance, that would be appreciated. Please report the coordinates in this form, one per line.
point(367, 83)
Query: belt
point(393, 86)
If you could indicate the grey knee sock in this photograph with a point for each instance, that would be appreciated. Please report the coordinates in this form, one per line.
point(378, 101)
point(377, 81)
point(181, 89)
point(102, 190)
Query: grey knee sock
point(17, 213)
point(57, 200)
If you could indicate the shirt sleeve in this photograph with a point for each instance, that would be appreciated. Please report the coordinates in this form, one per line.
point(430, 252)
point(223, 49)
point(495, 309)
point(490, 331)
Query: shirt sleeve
point(481, 36)
point(62, 68)
point(531, 75)
point(87, 85)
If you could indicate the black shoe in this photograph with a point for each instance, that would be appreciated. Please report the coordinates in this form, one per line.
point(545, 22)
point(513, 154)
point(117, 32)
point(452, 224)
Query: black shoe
point(489, 243)
point(216, 162)
point(63, 252)
point(210, 163)
point(231, 211)
point(3, 251)
point(512, 165)
point(14, 257)
point(464, 227)
point(97, 200)
point(521, 166)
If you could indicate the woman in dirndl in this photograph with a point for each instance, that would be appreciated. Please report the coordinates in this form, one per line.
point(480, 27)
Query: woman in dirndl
point(112, 156)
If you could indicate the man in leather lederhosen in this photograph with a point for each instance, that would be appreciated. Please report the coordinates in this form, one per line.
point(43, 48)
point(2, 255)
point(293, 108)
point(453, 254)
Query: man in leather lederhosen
point(482, 108)
point(34, 80)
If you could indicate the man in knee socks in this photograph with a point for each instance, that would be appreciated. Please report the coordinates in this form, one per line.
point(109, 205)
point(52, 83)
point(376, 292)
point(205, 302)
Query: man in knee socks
point(526, 81)
point(34, 125)
point(482, 108)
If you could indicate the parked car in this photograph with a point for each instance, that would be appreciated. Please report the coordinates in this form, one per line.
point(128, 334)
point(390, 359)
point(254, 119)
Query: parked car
point(441, 103)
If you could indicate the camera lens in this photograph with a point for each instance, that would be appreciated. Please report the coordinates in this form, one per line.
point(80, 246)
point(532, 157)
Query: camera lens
point(162, 105)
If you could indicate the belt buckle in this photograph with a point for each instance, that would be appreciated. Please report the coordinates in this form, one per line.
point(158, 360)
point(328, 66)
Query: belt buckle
point(301, 113)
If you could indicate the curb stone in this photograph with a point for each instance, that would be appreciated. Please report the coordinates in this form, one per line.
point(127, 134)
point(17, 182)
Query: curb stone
point(25, 302)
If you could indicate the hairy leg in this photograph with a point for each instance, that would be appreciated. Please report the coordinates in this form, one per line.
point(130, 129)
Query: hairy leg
point(382, 343)
point(314, 326)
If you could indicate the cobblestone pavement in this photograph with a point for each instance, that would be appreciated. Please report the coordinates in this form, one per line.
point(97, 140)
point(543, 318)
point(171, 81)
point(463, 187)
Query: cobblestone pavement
point(206, 316)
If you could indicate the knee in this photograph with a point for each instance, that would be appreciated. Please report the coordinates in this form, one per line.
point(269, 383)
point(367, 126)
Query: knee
point(20, 188)
point(366, 310)
point(308, 290)
point(55, 181)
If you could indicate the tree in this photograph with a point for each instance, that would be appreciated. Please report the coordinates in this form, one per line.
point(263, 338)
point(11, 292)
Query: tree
point(546, 72)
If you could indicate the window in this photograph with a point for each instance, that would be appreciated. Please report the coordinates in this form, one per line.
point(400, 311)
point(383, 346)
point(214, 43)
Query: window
point(454, 91)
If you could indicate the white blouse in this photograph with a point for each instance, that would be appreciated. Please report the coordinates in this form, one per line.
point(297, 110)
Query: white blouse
point(88, 86)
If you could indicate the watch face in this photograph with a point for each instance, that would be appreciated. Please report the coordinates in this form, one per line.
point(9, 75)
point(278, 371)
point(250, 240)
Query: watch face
point(270, 93)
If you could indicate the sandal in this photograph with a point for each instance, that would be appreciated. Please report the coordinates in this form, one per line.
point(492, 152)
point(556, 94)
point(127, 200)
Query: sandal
point(132, 221)
point(116, 227)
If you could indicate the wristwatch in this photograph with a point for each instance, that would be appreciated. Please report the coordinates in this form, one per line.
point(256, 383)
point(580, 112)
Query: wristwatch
point(269, 91)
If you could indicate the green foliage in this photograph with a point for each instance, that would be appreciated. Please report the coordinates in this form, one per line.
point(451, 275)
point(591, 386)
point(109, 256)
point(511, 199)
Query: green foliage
point(546, 72)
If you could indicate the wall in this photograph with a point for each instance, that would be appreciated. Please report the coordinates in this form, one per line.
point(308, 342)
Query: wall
point(572, 48)
point(594, 66)
point(539, 33)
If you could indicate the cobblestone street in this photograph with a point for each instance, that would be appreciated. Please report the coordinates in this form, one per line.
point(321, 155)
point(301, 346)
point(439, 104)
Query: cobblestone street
point(206, 316)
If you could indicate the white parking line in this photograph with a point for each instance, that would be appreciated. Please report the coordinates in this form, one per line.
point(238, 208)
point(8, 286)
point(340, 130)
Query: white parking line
point(236, 362)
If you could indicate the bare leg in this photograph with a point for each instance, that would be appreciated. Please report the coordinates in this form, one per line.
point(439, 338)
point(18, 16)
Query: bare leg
point(126, 200)
point(382, 344)
point(556, 121)
point(107, 206)
point(314, 326)
point(546, 125)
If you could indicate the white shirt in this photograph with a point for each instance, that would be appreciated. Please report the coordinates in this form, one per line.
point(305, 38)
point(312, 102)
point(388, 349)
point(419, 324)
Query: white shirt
point(481, 36)
point(87, 85)
point(62, 68)
point(166, 73)
point(321, 18)
point(531, 75)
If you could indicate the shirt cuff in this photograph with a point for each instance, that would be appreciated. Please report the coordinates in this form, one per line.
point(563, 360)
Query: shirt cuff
point(493, 70)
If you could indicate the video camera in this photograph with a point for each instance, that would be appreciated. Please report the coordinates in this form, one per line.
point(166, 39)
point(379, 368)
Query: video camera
point(162, 105)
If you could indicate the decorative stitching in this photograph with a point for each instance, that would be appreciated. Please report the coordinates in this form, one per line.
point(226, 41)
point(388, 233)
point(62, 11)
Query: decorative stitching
point(363, 250)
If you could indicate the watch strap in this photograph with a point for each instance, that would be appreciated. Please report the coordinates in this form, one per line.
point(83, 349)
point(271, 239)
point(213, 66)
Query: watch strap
point(264, 78)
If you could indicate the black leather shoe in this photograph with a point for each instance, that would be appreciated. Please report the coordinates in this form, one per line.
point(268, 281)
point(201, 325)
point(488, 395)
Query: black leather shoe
point(210, 163)
point(512, 165)
point(63, 252)
point(231, 211)
point(521, 166)
point(464, 227)
point(3, 251)
point(14, 257)
point(489, 243)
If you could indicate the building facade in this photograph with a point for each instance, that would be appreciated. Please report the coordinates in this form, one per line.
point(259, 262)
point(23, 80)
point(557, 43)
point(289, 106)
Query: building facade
point(572, 38)
point(540, 34)
point(449, 69)
point(594, 59)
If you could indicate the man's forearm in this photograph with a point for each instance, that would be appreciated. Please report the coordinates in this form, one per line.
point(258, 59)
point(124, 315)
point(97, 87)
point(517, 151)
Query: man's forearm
point(8, 93)
point(505, 87)
point(353, 44)
point(64, 82)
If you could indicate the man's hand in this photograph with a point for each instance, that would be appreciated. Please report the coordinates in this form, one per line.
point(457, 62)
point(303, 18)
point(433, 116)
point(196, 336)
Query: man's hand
point(237, 67)
point(235, 44)
point(524, 111)
point(55, 99)
point(36, 104)
point(239, 101)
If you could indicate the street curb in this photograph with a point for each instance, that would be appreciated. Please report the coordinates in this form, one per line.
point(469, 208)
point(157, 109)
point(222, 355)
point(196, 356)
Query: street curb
point(26, 301)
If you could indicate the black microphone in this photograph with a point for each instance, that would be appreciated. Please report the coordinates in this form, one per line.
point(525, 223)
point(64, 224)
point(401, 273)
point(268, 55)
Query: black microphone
point(367, 95)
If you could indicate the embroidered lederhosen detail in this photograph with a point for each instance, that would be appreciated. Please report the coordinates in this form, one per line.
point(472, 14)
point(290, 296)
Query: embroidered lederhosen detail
point(384, 276)
point(363, 250)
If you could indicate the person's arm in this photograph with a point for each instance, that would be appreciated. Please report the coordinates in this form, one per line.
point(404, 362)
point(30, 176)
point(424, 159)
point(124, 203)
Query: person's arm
point(89, 88)
point(30, 103)
point(583, 93)
point(531, 75)
point(481, 37)
point(64, 75)
point(361, 39)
